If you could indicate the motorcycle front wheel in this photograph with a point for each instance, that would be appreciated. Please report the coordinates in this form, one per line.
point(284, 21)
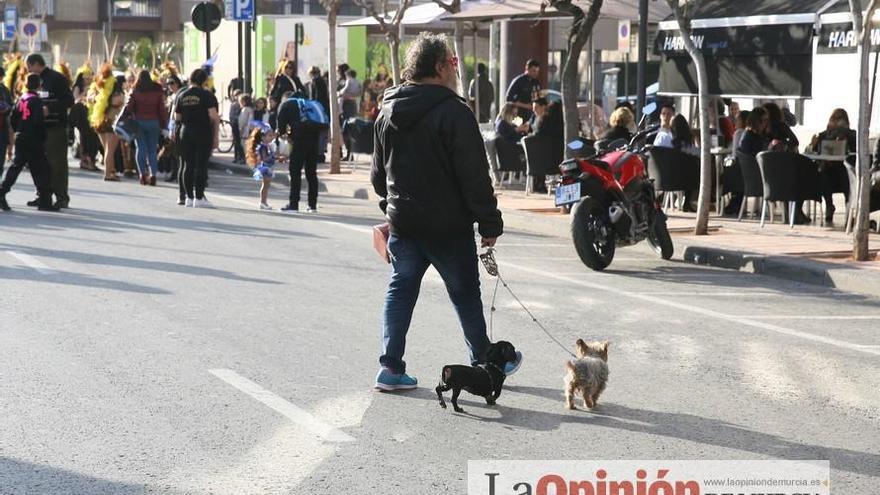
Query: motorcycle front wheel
point(659, 238)
point(593, 238)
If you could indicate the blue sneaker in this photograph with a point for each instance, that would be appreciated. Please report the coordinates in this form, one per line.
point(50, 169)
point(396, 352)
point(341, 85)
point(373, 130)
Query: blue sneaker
point(513, 366)
point(388, 381)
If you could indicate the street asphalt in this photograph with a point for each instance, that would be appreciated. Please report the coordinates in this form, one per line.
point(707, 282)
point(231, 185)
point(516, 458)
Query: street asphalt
point(151, 348)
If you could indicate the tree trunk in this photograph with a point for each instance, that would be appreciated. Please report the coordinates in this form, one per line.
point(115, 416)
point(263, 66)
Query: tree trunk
point(335, 130)
point(862, 29)
point(394, 42)
point(704, 202)
point(570, 115)
point(581, 30)
point(458, 47)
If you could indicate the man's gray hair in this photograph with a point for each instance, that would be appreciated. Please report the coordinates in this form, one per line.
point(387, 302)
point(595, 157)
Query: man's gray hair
point(423, 55)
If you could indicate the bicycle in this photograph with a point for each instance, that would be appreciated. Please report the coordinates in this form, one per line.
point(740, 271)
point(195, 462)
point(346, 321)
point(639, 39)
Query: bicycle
point(226, 139)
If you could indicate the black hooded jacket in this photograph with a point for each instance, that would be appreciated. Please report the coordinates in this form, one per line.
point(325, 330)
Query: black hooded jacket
point(430, 165)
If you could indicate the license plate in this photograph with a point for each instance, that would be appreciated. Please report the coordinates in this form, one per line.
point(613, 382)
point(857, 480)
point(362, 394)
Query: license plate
point(568, 194)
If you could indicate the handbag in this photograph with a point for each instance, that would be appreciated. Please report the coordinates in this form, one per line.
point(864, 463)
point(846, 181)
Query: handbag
point(125, 126)
point(381, 233)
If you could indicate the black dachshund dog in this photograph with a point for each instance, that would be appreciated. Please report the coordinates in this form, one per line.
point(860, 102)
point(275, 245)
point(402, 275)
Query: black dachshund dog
point(484, 380)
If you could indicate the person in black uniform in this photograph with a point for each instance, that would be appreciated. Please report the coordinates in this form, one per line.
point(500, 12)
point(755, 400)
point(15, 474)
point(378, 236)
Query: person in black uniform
point(58, 101)
point(198, 119)
point(525, 88)
point(29, 124)
point(303, 154)
point(5, 109)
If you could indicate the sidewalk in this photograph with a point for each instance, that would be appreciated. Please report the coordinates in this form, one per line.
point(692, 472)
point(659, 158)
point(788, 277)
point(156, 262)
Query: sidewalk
point(808, 254)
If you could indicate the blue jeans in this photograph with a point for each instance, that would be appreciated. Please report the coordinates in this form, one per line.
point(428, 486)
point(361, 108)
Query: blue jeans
point(456, 261)
point(148, 147)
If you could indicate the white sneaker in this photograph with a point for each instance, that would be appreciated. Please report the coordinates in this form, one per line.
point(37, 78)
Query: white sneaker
point(202, 203)
point(265, 206)
point(188, 203)
point(312, 210)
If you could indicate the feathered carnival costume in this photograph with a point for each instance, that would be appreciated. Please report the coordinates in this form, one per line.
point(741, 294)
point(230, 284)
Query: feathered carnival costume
point(84, 69)
point(64, 69)
point(101, 92)
point(12, 63)
point(167, 70)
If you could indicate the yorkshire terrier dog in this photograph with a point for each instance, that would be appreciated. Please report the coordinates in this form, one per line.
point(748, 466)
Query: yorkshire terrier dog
point(588, 374)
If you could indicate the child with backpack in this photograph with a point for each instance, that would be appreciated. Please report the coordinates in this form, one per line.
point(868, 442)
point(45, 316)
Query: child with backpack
point(261, 157)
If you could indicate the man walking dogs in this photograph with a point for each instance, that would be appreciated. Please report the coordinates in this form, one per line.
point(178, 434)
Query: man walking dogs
point(430, 168)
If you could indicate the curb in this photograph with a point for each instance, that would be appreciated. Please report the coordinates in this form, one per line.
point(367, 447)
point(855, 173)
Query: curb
point(837, 276)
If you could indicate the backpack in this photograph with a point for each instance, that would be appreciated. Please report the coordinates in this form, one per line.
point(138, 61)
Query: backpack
point(311, 114)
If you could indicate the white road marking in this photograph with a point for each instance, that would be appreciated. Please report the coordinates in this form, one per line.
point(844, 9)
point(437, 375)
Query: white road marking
point(696, 310)
point(502, 245)
point(277, 463)
point(32, 262)
point(685, 293)
point(282, 406)
point(814, 317)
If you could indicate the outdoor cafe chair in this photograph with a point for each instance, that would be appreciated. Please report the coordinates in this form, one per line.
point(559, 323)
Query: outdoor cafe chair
point(673, 171)
point(788, 177)
point(752, 184)
point(543, 156)
point(511, 158)
point(854, 194)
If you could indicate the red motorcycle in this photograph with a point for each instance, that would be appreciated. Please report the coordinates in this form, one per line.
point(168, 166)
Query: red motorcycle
point(613, 202)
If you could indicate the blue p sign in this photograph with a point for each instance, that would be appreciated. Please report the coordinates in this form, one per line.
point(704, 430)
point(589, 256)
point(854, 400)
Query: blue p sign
point(243, 10)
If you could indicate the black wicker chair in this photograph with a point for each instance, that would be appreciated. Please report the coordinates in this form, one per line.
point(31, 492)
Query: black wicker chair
point(510, 156)
point(543, 156)
point(788, 177)
point(673, 170)
point(854, 194)
point(752, 184)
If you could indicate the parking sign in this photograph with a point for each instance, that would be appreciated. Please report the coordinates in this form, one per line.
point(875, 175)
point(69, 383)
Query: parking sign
point(10, 22)
point(243, 10)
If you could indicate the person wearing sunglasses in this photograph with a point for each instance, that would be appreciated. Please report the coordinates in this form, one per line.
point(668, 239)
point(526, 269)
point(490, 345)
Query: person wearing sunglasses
point(431, 171)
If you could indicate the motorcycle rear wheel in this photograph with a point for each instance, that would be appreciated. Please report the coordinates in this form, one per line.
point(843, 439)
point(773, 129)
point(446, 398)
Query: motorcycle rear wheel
point(659, 238)
point(592, 235)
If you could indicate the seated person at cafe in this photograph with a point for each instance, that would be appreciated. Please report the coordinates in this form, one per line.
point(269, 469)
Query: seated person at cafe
point(663, 138)
point(621, 120)
point(742, 122)
point(505, 128)
point(683, 137)
point(551, 127)
point(723, 122)
point(778, 132)
point(683, 140)
point(754, 139)
point(833, 176)
point(731, 177)
point(539, 108)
